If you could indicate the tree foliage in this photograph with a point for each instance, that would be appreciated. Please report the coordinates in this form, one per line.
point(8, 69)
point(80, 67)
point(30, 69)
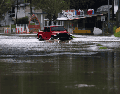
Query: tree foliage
point(51, 7)
point(84, 4)
point(5, 5)
point(23, 20)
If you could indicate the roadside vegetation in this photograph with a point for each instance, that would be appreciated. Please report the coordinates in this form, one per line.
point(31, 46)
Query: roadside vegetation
point(99, 45)
point(5, 5)
point(102, 48)
point(73, 37)
point(116, 34)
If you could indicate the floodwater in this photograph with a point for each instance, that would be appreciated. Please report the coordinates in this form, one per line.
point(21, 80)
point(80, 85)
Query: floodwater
point(29, 66)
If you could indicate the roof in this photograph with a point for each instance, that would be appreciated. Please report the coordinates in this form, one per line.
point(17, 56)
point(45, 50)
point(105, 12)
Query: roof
point(103, 8)
point(76, 17)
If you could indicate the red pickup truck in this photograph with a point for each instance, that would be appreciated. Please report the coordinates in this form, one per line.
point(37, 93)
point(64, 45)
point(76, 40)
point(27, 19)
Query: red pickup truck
point(54, 32)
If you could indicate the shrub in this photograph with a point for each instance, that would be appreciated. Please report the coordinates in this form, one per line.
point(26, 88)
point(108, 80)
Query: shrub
point(13, 26)
point(32, 23)
point(117, 34)
point(99, 45)
point(102, 48)
point(7, 26)
point(23, 20)
point(114, 28)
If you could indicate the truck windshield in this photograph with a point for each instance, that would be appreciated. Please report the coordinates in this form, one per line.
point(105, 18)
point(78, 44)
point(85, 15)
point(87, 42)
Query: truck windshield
point(57, 28)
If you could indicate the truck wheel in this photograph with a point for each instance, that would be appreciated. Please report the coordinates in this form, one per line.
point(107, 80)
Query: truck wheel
point(52, 38)
point(70, 38)
point(40, 38)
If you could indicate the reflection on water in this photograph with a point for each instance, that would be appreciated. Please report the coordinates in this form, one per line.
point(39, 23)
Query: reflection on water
point(97, 73)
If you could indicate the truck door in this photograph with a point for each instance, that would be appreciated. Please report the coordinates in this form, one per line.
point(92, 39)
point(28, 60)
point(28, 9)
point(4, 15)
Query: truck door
point(47, 33)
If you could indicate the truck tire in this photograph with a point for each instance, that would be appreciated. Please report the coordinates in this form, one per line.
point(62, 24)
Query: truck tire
point(70, 38)
point(52, 38)
point(40, 38)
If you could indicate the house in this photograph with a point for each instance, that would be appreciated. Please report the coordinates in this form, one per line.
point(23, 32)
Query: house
point(23, 11)
point(82, 19)
point(9, 14)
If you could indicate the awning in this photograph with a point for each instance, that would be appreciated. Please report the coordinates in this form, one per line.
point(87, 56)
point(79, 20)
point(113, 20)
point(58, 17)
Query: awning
point(77, 17)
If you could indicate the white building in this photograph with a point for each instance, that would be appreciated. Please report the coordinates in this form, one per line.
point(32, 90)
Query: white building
point(115, 6)
point(23, 11)
point(7, 20)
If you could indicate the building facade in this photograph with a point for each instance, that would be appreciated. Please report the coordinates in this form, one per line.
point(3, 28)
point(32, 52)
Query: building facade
point(23, 11)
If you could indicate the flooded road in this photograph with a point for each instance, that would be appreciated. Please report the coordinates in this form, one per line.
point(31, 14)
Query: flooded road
point(30, 66)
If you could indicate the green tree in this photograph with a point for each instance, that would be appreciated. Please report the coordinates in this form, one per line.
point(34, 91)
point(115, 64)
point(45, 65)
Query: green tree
point(5, 5)
point(51, 7)
point(23, 20)
point(84, 4)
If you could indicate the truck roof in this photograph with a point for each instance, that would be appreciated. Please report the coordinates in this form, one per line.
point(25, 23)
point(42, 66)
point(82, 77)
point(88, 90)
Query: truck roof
point(53, 25)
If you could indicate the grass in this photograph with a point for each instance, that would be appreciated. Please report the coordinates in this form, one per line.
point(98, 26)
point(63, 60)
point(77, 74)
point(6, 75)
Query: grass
point(102, 48)
point(73, 37)
point(99, 45)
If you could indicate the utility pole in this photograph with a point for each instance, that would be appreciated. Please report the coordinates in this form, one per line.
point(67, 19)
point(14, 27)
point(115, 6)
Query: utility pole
point(118, 15)
point(108, 17)
point(16, 11)
point(31, 7)
point(112, 10)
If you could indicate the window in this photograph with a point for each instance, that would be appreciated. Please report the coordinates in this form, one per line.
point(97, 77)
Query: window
point(47, 29)
point(60, 28)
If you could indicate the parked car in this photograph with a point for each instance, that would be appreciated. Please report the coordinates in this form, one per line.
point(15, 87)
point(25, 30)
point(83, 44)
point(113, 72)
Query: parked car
point(54, 32)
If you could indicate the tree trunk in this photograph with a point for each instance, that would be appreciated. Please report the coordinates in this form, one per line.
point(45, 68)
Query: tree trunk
point(17, 11)
point(112, 10)
point(49, 22)
point(31, 7)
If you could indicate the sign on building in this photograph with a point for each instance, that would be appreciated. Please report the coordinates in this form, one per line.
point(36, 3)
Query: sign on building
point(102, 18)
point(91, 10)
point(80, 12)
point(72, 13)
point(34, 24)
